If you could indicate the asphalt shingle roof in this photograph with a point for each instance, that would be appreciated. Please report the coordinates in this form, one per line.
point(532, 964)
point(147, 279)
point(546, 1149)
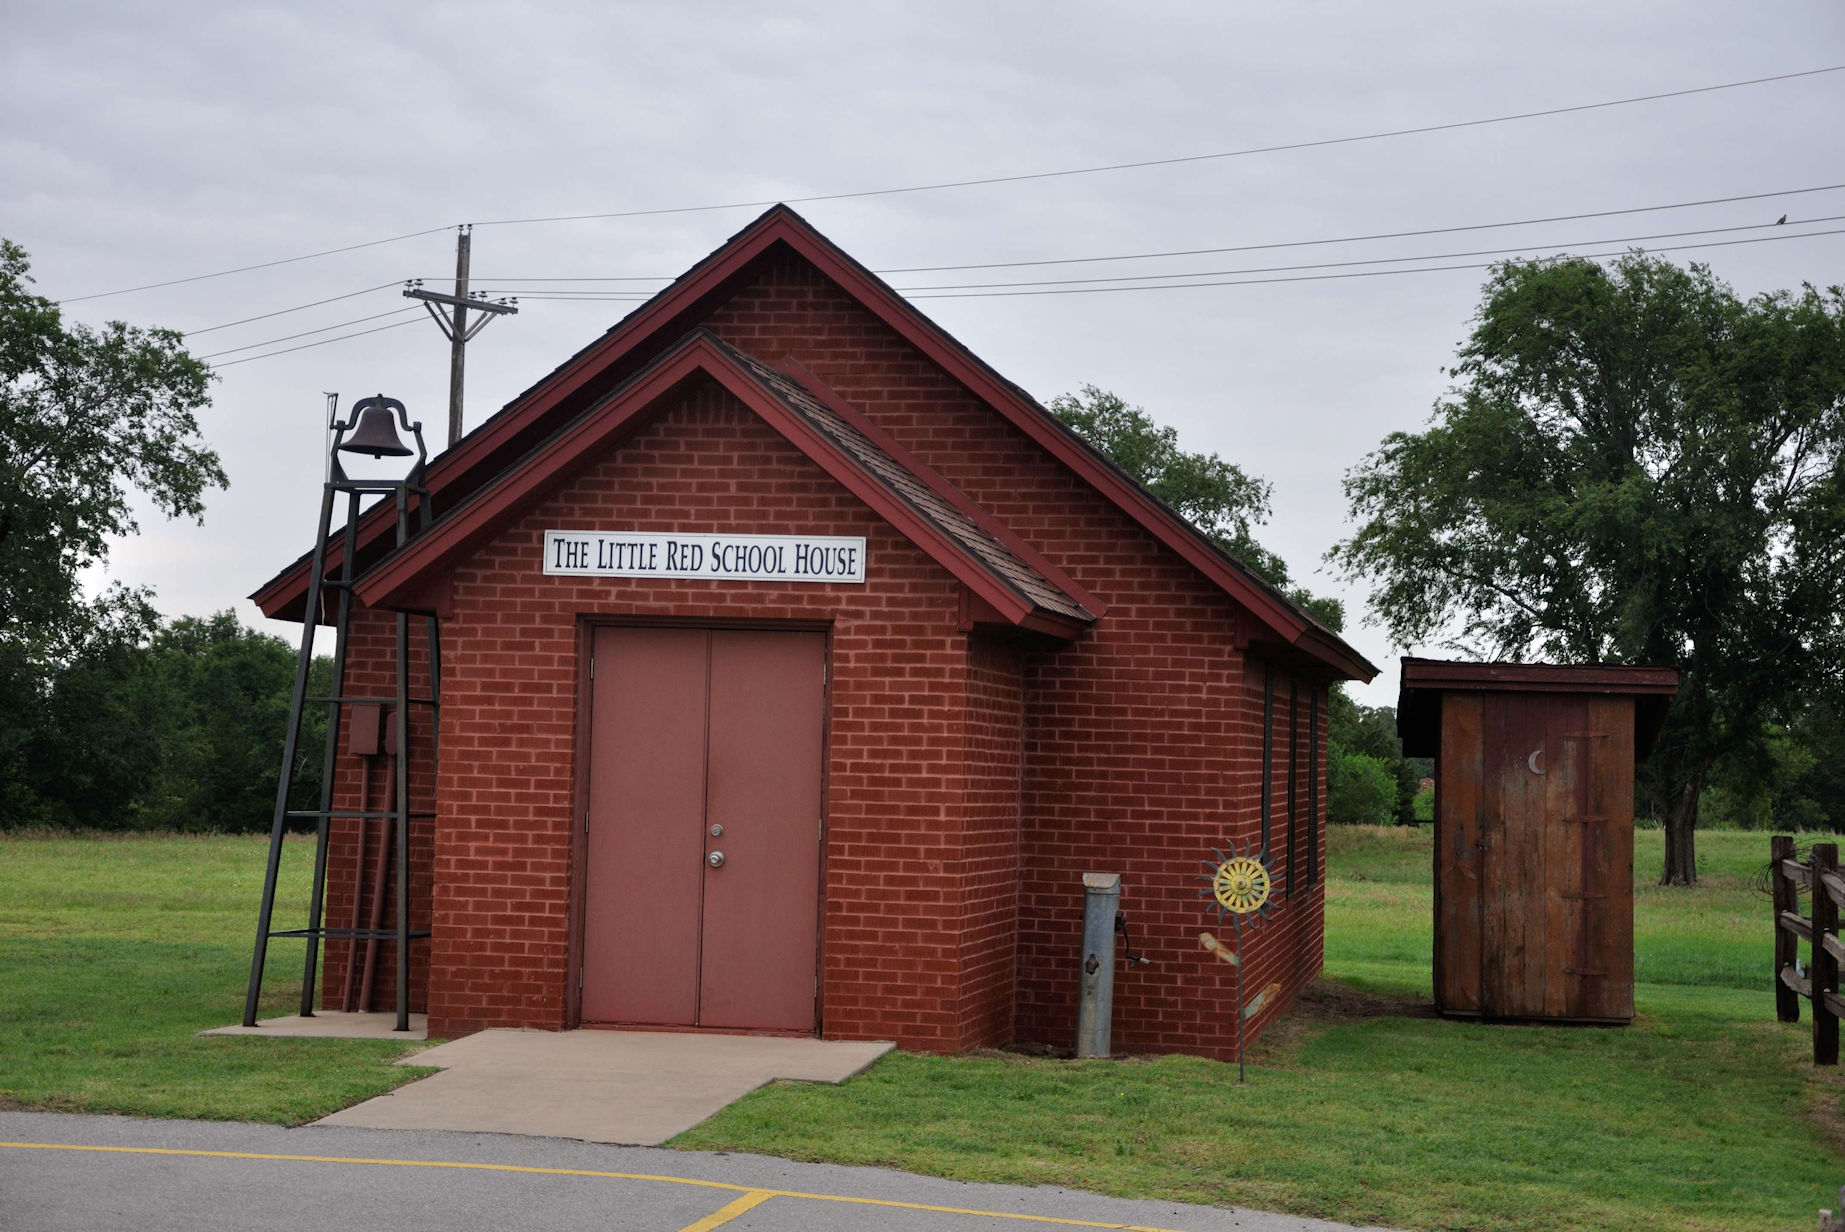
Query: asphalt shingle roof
point(974, 540)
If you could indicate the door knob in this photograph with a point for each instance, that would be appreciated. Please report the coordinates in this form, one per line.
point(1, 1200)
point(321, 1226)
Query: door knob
point(715, 859)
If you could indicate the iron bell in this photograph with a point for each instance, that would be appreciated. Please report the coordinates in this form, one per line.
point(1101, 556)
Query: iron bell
point(375, 433)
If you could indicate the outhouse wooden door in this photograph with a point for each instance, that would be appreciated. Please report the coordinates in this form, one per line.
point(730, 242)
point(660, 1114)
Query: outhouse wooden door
point(1534, 859)
point(701, 894)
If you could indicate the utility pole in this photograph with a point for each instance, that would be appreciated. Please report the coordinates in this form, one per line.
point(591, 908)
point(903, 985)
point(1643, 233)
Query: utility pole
point(454, 322)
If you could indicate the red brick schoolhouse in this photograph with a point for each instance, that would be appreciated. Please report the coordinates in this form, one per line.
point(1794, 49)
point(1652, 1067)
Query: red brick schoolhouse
point(794, 667)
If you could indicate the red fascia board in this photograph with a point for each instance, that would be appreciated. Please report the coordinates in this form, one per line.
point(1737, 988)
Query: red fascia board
point(1315, 652)
point(397, 576)
point(1054, 625)
point(941, 486)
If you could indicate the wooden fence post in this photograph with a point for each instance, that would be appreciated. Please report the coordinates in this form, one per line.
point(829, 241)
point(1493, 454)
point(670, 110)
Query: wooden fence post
point(1825, 963)
point(1787, 946)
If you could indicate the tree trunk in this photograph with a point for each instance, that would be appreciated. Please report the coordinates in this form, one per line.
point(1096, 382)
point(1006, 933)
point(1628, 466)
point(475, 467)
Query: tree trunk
point(1681, 864)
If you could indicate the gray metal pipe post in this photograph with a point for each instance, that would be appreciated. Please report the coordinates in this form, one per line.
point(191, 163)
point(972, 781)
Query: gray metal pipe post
point(1096, 1002)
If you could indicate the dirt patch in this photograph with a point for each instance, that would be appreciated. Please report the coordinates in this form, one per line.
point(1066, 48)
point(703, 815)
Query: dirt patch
point(1327, 1003)
point(62, 1104)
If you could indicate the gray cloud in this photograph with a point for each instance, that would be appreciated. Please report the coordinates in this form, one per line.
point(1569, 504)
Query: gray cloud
point(146, 143)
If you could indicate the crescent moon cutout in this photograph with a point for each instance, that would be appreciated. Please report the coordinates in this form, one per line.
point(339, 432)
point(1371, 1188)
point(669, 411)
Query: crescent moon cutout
point(1534, 762)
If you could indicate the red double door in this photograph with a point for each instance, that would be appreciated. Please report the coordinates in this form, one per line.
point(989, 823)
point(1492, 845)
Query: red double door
point(703, 865)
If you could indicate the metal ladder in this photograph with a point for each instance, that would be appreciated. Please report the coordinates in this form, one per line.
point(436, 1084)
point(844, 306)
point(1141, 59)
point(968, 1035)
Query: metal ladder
point(399, 815)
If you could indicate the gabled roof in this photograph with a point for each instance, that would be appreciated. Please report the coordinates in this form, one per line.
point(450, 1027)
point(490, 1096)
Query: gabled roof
point(641, 337)
point(920, 504)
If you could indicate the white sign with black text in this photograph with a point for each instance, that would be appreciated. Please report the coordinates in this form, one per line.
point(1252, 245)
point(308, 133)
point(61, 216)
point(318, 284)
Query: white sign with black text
point(747, 558)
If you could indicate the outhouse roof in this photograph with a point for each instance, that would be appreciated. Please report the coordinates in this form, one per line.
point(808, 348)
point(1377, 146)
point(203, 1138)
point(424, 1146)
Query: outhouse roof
point(1425, 680)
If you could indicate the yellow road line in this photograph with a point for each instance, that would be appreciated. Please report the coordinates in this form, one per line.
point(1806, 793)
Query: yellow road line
point(723, 1215)
point(746, 1190)
point(393, 1163)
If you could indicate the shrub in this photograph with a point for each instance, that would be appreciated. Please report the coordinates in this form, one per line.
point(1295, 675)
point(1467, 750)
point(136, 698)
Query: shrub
point(1360, 789)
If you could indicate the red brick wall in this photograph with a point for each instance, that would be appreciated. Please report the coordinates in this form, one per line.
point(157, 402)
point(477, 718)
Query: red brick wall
point(1141, 750)
point(1287, 948)
point(989, 870)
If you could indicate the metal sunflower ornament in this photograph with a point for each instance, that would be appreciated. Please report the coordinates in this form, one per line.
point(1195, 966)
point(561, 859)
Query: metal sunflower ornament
point(1240, 885)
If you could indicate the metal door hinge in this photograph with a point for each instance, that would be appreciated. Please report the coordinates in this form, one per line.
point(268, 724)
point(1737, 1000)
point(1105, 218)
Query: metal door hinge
point(592, 667)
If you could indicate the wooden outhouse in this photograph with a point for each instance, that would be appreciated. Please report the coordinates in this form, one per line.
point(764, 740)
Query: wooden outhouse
point(1534, 830)
point(793, 667)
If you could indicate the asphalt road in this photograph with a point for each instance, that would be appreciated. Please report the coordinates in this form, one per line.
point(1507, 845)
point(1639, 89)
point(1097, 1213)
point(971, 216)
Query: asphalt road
point(93, 1173)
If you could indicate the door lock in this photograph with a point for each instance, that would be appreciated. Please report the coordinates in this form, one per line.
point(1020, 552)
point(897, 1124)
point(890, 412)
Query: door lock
point(717, 831)
point(715, 859)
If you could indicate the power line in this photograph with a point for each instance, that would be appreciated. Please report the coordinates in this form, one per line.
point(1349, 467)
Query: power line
point(592, 297)
point(1354, 239)
point(1005, 179)
point(230, 363)
point(1188, 158)
point(244, 269)
point(1425, 269)
point(306, 333)
point(585, 297)
point(282, 312)
point(1200, 252)
point(920, 269)
point(1432, 256)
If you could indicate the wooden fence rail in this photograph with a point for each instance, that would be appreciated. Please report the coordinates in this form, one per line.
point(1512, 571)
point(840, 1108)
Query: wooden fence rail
point(1820, 930)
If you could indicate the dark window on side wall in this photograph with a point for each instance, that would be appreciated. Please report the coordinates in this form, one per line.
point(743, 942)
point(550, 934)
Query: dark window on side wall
point(1293, 780)
point(1268, 752)
point(1313, 787)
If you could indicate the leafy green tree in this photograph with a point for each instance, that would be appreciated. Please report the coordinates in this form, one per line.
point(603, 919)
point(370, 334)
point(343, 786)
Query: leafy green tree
point(1634, 465)
point(1218, 497)
point(180, 732)
point(89, 419)
point(92, 741)
point(225, 690)
point(1371, 730)
point(1795, 781)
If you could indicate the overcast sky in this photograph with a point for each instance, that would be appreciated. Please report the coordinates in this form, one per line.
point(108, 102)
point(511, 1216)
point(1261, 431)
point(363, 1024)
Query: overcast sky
point(144, 143)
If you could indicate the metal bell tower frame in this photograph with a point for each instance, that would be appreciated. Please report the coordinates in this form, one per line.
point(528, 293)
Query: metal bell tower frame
point(367, 429)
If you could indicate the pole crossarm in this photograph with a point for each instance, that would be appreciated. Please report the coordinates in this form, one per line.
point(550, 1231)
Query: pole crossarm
point(456, 301)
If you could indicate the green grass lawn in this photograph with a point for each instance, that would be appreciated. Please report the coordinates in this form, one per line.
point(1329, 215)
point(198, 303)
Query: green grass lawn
point(1360, 1107)
point(1364, 1108)
point(116, 952)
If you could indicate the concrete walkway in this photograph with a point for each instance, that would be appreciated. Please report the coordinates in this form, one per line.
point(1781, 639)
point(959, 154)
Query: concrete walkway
point(637, 1088)
point(331, 1024)
point(63, 1173)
